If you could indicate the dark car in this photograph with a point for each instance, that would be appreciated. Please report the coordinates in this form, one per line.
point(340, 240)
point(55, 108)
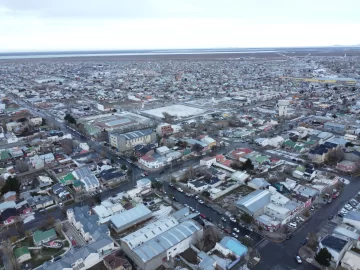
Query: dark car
point(304, 242)
point(161, 172)
point(174, 199)
point(209, 219)
point(288, 237)
point(340, 215)
point(330, 217)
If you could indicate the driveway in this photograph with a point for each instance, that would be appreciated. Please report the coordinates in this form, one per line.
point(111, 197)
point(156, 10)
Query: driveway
point(72, 233)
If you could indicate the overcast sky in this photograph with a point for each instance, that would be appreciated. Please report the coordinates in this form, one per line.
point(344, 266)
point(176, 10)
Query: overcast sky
point(50, 25)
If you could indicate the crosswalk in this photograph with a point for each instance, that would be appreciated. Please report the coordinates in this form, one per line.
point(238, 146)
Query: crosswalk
point(261, 244)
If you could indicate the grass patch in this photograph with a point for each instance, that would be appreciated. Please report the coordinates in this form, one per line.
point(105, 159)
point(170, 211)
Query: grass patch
point(356, 250)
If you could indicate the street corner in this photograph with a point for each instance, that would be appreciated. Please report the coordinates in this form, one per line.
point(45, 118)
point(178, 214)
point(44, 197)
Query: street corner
point(253, 258)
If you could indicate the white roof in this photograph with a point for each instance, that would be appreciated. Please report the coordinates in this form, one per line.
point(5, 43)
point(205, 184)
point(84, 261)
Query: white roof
point(278, 209)
point(6, 205)
point(352, 259)
point(150, 231)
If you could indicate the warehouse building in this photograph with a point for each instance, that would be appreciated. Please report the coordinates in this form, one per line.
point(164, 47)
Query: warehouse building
point(130, 218)
point(151, 253)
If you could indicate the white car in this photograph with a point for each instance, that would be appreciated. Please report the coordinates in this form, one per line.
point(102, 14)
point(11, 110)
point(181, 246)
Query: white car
point(348, 207)
point(234, 235)
point(223, 219)
point(236, 230)
point(201, 201)
point(292, 225)
point(186, 205)
point(232, 219)
point(180, 190)
point(298, 259)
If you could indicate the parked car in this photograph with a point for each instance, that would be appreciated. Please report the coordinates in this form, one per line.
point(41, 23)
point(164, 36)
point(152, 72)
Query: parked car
point(292, 225)
point(201, 201)
point(232, 219)
point(312, 208)
point(330, 217)
point(288, 236)
point(236, 230)
point(180, 190)
point(298, 259)
point(223, 219)
point(226, 231)
point(235, 235)
point(203, 216)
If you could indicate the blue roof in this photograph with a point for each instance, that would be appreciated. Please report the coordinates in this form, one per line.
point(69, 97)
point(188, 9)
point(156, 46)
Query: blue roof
point(130, 216)
point(354, 215)
point(234, 245)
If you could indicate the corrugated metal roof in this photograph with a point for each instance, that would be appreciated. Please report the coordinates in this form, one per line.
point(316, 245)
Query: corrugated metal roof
point(129, 216)
point(166, 240)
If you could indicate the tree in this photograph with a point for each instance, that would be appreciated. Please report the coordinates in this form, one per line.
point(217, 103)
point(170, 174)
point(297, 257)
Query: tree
point(248, 165)
point(133, 158)
point(43, 121)
point(21, 166)
point(312, 241)
point(104, 135)
point(246, 241)
point(11, 184)
point(67, 145)
point(206, 193)
point(13, 239)
point(247, 218)
point(196, 148)
point(129, 171)
point(50, 221)
point(70, 119)
point(157, 185)
point(124, 167)
point(98, 199)
point(323, 257)
point(349, 144)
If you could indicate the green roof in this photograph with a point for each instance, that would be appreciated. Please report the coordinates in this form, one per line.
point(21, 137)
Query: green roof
point(4, 155)
point(261, 159)
point(78, 183)
point(67, 178)
point(290, 143)
point(298, 147)
point(310, 142)
point(21, 251)
point(300, 168)
point(43, 236)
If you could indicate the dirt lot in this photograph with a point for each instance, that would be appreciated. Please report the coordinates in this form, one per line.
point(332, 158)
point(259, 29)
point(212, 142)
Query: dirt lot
point(228, 201)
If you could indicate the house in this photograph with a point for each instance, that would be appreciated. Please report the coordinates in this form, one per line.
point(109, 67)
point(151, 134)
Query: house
point(320, 152)
point(105, 107)
point(208, 161)
point(164, 129)
point(9, 216)
point(6, 205)
point(336, 245)
point(206, 262)
point(352, 218)
point(254, 203)
point(276, 141)
point(347, 166)
point(43, 237)
point(143, 183)
point(262, 142)
point(352, 154)
point(267, 223)
point(258, 183)
point(112, 176)
point(231, 246)
point(240, 176)
point(209, 141)
point(163, 150)
point(9, 196)
point(47, 158)
point(152, 253)
point(84, 175)
point(351, 260)
point(197, 185)
point(129, 218)
point(153, 161)
point(39, 202)
point(334, 127)
point(22, 254)
point(113, 262)
point(35, 121)
point(36, 162)
point(87, 224)
point(126, 141)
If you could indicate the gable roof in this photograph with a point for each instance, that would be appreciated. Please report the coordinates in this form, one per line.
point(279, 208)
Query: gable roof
point(39, 236)
point(21, 251)
point(334, 242)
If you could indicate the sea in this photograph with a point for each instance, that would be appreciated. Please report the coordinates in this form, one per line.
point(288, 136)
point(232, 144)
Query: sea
point(57, 54)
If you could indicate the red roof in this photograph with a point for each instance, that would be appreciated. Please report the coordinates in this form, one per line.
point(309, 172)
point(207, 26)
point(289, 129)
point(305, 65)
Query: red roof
point(227, 162)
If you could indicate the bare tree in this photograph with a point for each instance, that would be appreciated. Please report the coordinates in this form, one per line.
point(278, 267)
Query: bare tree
point(67, 145)
point(168, 118)
point(21, 166)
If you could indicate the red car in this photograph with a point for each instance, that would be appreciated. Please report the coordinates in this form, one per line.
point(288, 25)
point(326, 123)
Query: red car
point(203, 216)
point(73, 242)
point(226, 230)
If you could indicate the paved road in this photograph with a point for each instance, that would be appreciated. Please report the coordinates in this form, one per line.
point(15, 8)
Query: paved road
point(212, 214)
point(281, 256)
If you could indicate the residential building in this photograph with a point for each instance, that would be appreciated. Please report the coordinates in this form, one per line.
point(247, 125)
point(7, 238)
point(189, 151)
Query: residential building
point(268, 223)
point(112, 176)
point(164, 129)
point(144, 183)
point(231, 246)
point(351, 260)
point(127, 141)
point(258, 183)
point(84, 175)
point(105, 107)
point(208, 161)
point(129, 218)
point(87, 225)
point(22, 254)
point(254, 203)
point(6, 205)
point(153, 161)
point(35, 121)
point(337, 246)
point(113, 262)
point(43, 237)
point(347, 166)
point(39, 202)
point(334, 127)
point(9, 196)
point(152, 253)
point(8, 216)
point(352, 218)
point(320, 152)
point(37, 162)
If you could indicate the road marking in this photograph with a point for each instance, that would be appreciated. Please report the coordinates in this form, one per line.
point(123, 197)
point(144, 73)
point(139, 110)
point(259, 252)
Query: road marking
point(261, 244)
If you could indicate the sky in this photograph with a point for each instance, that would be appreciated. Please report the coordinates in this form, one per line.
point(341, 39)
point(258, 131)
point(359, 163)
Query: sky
point(61, 25)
